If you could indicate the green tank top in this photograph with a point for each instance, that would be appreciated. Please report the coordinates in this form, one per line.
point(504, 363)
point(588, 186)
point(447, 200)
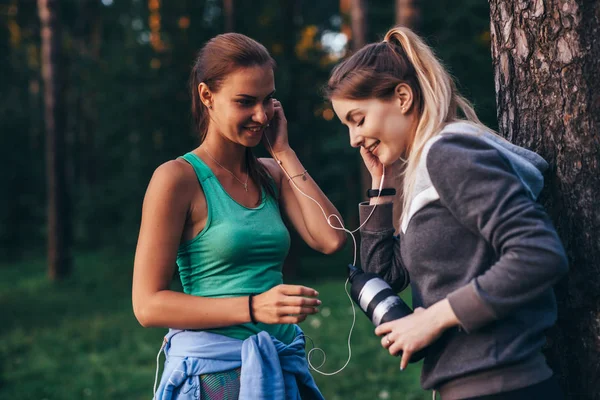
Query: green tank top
point(240, 251)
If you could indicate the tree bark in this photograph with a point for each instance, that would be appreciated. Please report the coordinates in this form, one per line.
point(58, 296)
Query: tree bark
point(546, 57)
point(59, 259)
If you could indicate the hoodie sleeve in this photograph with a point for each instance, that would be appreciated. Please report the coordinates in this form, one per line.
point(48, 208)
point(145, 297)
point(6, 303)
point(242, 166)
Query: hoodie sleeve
point(379, 248)
point(483, 192)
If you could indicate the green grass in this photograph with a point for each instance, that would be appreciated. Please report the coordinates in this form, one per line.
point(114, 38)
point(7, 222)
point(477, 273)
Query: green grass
point(78, 339)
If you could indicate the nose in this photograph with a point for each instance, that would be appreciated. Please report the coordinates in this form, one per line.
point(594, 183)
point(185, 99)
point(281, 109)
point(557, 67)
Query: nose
point(260, 115)
point(356, 140)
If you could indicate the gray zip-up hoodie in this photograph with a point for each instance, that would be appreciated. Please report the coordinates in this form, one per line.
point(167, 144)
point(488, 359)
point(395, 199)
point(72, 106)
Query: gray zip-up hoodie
point(476, 236)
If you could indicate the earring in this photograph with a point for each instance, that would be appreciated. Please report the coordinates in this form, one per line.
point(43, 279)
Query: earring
point(210, 106)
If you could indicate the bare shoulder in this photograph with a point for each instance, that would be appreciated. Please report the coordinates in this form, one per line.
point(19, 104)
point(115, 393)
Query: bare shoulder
point(174, 178)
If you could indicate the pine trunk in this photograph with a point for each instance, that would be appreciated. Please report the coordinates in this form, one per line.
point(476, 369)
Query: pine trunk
point(546, 57)
point(59, 260)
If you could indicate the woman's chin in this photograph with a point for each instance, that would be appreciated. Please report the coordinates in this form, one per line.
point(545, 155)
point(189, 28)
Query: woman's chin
point(386, 160)
point(389, 158)
point(251, 141)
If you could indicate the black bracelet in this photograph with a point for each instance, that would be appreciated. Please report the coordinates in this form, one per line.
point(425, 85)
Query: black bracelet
point(384, 192)
point(252, 319)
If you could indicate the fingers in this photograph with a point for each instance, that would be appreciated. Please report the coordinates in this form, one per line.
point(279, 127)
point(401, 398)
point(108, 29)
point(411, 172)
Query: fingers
point(384, 329)
point(367, 157)
point(387, 341)
point(406, 354)
point(296, 310)
point(301, 302)
point(297, 290)
point(277, 106)
point(395, 347)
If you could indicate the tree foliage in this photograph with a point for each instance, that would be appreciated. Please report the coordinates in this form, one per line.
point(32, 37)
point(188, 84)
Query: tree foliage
point(127, 66)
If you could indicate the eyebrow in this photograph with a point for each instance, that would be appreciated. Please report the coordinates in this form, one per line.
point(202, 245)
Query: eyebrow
point(247, 96)
point(349, 114)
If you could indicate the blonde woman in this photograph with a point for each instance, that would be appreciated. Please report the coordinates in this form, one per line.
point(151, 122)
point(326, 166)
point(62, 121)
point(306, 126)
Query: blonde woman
point(479, 252)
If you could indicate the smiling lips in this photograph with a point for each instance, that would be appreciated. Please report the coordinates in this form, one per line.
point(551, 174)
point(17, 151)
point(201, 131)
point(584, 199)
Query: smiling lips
point(372, 147)
point(255, 129)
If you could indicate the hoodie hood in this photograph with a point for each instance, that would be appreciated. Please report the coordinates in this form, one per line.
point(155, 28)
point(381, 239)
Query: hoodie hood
point(528, 166)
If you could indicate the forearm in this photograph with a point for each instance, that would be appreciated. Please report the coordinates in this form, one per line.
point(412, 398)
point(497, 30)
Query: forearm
point(442, 316)
point(380, 250)
point(169, 309)
point(314, 220)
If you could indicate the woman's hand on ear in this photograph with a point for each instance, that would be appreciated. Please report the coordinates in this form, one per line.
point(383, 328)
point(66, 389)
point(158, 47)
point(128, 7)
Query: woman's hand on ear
point(275, 138)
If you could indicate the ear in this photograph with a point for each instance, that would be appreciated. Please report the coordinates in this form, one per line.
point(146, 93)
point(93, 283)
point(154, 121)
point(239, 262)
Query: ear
point(206, 96)
point(404, 94)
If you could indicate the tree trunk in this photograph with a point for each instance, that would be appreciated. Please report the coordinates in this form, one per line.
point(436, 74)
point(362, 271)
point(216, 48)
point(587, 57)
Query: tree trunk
point(546, 58)
point(59, 260)
point(358, 31)
point(407, 13)
point(229, 13)
point(86, 40)
point(292, 11)
point(358, 17)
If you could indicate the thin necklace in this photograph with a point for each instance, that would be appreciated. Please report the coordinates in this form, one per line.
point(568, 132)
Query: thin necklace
point(232, 174)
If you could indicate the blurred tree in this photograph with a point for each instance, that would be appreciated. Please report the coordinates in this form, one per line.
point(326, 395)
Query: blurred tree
point(546, 58)
point(22, 214)
point(359, 22)
point(59, 238)
point(126, 67)
point(82, 121)
point(229, 13)
point(358, 37)
point(407, 13)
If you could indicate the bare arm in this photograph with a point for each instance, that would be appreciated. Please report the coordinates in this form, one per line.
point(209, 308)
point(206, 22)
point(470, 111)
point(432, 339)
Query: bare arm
point(166, 206)
point(306, 216)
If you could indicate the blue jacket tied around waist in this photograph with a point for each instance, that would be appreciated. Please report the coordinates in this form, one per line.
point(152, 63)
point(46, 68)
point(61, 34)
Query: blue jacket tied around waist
point(270, 369)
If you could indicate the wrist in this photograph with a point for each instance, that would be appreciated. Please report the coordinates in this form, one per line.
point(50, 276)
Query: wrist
point(385, 191)
point(285, 152)
point(443, 315)
point(252, 308)
point(376, 182)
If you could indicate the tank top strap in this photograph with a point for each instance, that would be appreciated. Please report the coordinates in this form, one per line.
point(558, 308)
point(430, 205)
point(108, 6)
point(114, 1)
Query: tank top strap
point(202, 170)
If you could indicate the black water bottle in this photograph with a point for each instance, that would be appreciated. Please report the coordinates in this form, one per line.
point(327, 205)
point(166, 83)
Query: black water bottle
point(378, 301)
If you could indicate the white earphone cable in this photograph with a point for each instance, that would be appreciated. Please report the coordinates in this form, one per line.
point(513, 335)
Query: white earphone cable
point(341, 228)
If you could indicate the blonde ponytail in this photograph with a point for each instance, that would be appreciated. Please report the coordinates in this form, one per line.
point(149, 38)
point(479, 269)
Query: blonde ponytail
point(440, 101)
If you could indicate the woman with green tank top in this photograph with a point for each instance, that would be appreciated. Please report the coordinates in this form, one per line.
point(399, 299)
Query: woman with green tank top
point(216, 213)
